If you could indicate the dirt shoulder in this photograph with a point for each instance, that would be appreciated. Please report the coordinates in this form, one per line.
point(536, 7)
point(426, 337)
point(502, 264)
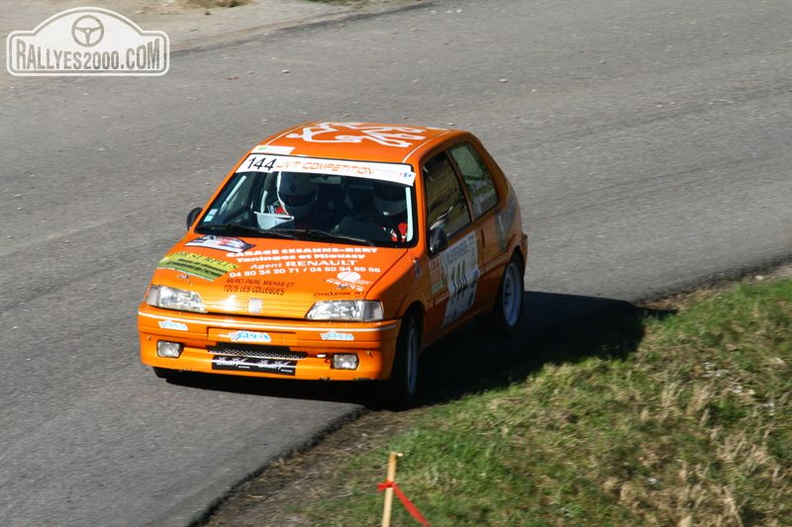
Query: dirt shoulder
point(271, 499)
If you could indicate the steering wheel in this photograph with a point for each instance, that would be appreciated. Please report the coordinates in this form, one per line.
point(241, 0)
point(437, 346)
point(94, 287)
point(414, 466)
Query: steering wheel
point(369, 216)
point(387, 224)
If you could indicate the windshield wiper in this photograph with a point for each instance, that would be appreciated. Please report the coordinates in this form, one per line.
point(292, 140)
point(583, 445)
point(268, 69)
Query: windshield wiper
point(316, 234)
point(242, 230)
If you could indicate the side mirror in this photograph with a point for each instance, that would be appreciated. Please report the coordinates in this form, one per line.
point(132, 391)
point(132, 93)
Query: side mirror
point(438, 240)
point(193, 215)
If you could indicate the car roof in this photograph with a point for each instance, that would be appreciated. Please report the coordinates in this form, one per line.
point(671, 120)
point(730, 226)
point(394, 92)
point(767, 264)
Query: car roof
point(384, 142)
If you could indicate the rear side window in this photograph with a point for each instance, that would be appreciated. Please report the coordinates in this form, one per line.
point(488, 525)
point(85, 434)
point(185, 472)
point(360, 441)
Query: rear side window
point(447, 208)
point(477, 178)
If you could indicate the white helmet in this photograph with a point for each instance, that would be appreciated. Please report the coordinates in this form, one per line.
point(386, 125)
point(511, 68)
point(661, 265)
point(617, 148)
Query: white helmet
point(389, 200)
point(297, 193)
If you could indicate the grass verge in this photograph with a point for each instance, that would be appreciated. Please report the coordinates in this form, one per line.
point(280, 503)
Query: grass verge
point(692, 428)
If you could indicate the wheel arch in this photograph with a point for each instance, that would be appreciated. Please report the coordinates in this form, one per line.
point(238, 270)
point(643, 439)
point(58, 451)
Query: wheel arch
point(518, 252)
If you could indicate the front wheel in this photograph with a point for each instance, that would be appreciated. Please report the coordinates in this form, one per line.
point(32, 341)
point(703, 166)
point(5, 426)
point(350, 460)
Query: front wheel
point(507, 312)
point(402, 386)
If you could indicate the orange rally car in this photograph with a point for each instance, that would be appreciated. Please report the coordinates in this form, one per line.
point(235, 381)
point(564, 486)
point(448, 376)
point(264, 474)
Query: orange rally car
point(339, 251)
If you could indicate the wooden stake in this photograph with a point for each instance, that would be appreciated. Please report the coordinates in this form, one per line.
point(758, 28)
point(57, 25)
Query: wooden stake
point(387, 509)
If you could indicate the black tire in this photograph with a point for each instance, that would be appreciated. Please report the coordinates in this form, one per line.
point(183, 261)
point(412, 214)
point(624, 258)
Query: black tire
point(402, 386)
point(507, 312)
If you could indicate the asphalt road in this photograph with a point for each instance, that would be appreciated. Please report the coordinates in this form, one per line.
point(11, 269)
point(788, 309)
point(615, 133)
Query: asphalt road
point(649, 142)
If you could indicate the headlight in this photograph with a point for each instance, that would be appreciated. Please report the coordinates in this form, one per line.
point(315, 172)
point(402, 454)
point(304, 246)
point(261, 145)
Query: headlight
point(360, 310)
point(172, 298)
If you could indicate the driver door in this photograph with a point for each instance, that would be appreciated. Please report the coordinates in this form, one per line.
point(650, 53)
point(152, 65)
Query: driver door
point(453, 246)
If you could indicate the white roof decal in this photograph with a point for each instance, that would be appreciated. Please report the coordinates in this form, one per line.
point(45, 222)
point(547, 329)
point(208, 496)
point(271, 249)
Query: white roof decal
point(385, 135)
point(392, 172)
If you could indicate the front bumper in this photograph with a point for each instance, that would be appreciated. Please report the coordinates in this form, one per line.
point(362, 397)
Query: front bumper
point(261, 347)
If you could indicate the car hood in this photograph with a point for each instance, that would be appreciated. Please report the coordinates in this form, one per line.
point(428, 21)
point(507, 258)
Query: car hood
point(272, 277)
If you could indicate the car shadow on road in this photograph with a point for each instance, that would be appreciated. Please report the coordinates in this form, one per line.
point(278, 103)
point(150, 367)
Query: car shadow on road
point(557, 328)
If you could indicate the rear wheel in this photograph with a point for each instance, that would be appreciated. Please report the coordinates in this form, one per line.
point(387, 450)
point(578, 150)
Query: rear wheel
point(402, 386)
point(507, 312)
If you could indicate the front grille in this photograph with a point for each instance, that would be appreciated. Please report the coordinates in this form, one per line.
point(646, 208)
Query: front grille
point(255, 351)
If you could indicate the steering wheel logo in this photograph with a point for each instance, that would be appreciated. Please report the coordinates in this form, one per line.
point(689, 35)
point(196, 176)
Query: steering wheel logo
point(87, 31)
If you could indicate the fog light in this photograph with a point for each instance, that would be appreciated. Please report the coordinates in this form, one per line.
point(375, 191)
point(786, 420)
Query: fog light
point(172, 350)
point(345, 361)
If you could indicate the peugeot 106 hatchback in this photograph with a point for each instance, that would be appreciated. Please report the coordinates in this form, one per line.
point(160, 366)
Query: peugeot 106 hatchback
point(339, 251)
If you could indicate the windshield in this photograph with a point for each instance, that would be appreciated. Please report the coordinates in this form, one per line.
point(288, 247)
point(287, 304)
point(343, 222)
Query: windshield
point(354, 202)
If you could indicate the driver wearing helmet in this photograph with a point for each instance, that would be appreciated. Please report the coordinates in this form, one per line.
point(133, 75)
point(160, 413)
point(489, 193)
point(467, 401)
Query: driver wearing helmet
point(390, 201)
point(298, 195)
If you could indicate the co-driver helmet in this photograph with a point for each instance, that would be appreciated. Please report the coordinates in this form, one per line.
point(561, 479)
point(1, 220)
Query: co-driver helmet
point(389, 199)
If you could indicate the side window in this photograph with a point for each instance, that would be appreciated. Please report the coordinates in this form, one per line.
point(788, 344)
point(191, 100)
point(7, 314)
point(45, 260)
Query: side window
point(447, 208)
point(477, 178)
